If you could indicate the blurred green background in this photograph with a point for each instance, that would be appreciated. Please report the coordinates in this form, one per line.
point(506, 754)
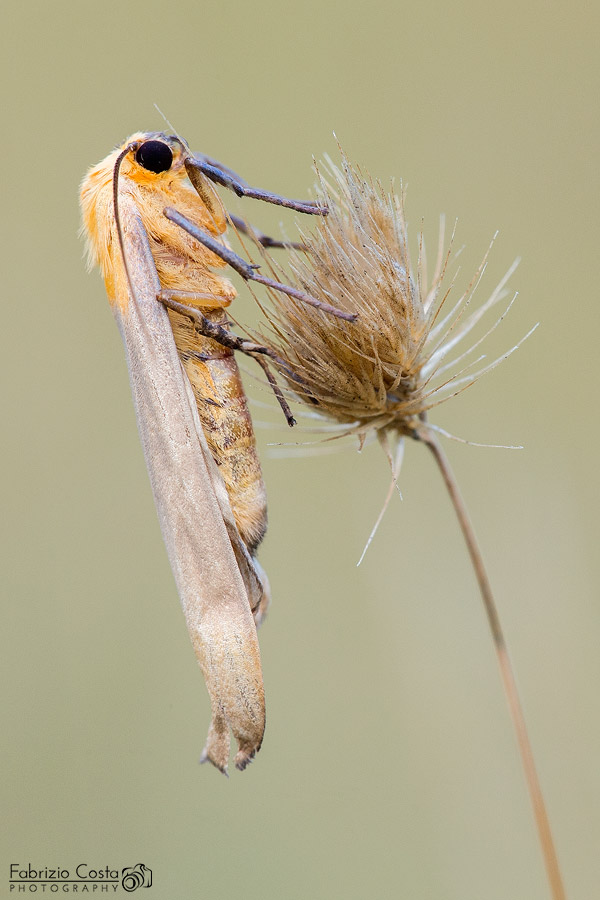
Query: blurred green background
point(389, 767)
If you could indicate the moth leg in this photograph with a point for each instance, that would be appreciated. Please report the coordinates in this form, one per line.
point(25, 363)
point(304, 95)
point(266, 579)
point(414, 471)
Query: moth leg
point(224, 337)
point(229, 179)
point(263, 239)
point(211, 301)
point(248, 270)
point(276, 390)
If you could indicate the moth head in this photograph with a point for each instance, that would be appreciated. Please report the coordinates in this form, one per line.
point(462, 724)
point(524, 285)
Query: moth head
point(152, 154)
point(155, 156)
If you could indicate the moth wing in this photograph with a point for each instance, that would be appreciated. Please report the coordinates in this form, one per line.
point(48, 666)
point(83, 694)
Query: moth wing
point(217, 582)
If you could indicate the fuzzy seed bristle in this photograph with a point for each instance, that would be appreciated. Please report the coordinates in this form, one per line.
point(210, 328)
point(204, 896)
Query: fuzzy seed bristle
point(386, 369)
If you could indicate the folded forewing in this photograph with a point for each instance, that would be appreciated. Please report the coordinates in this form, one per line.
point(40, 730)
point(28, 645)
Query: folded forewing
point(215, 576)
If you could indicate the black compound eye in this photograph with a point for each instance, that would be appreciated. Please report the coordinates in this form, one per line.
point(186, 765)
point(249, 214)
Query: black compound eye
point(155, 156)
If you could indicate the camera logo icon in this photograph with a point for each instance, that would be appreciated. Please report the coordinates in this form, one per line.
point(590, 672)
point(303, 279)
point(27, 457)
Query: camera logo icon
point(135, 877)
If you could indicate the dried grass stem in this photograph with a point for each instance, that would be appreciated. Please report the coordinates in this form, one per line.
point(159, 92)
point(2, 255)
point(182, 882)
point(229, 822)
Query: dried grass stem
point(424, 434)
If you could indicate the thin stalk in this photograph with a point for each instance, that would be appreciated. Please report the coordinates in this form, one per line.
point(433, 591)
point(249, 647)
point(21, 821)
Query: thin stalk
point(426, 436)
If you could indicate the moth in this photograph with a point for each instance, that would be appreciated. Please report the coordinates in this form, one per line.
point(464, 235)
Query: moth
point(154, 225)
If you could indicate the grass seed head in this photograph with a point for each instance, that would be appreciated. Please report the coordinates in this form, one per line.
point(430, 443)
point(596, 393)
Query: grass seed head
point(385, 370)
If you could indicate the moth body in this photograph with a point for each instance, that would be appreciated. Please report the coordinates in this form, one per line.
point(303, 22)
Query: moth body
point(223, 410)
point(192, 416)
point(184, 266)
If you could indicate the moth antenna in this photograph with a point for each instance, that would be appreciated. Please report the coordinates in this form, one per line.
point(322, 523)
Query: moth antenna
point(162, 115)
point(176, 135)
point(119, 160)
point(395, 464)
